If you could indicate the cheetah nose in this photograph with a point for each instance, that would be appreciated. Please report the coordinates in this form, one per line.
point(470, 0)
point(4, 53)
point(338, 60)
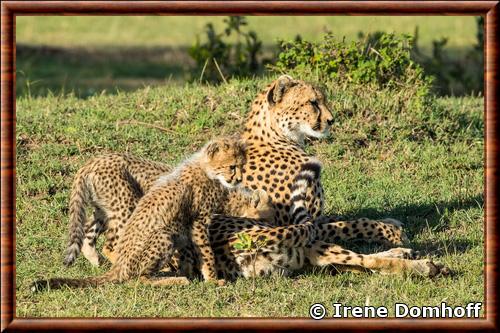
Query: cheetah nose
point(330, 122)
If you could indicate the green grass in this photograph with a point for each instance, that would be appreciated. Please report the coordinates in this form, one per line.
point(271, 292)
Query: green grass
point(90, 54)
point(387, 156)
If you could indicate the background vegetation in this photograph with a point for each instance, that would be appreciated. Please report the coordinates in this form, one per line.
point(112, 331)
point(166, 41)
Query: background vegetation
point(89, 55)
point(395, 150)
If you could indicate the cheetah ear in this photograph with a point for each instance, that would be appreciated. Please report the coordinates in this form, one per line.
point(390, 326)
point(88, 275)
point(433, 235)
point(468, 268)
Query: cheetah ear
point(240, 145)
point(212, 148)
point(255, 199)
point(259, 198)
point(280, 86)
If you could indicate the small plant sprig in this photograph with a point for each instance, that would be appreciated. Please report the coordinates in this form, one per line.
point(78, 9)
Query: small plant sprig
point(218, 56)
point(247, 243)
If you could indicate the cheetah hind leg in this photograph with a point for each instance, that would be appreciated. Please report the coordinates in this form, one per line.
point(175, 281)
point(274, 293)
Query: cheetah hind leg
point(388, 232)
point(93, 230)
point(322, 254)
point(398, 252)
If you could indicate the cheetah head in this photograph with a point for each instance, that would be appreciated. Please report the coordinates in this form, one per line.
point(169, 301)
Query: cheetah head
point(224, 158)
point(298, 109)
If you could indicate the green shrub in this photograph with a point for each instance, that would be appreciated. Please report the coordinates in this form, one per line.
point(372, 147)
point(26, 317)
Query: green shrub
point(382, 59)
point(356, 74)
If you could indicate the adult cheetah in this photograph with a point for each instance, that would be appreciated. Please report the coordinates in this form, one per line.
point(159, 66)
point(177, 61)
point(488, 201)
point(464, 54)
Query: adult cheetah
point(286, 113)
point(282, 116)
point(295, 247)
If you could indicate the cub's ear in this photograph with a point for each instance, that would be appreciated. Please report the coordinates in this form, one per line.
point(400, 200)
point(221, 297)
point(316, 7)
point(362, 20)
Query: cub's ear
point(212, 148)
point(255, 199)
point(241, 147)
point(279, 88)
point(260, 199)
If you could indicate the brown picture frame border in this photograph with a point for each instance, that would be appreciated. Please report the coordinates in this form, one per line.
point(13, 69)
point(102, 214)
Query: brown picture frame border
point(11, 9)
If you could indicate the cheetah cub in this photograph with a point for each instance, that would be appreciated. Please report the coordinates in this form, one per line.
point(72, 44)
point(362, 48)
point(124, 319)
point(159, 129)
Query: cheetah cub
point(112, 185)
point(177, 209)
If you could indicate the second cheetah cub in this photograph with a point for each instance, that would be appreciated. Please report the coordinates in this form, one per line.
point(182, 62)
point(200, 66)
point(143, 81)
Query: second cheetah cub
point(177, 209)
point(112, 185)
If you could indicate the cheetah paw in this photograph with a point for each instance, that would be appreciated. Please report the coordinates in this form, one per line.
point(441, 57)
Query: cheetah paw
point(428, 268)
point(218, 282)
point(443, 270)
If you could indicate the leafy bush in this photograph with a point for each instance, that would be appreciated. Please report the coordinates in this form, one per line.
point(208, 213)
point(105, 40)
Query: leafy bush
point(382, 59)
point(217, 57)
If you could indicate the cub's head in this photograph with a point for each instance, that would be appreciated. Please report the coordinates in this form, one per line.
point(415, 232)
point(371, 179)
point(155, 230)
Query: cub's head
point(260, 207)
point(298, 109)
point(224, 158)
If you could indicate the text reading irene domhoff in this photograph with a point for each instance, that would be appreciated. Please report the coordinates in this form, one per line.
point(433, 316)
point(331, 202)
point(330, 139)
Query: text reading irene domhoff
point(471, 310)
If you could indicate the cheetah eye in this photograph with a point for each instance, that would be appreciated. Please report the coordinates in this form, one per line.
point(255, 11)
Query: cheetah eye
point(232, 167)
point(314, 103)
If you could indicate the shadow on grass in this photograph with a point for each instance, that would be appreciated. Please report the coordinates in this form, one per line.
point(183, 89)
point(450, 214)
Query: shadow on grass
point(87, 71)
point(439, 249)
point(417, 218)
point(426, 212)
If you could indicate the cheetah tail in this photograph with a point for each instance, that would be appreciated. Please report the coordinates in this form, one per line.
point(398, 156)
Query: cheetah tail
point(309, 173)
point(79, 198)
point(58, 283)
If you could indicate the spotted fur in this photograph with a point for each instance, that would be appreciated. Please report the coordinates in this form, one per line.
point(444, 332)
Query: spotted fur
point(282, 116)
point(177, 209)
point(112, 185)
point(294, 247)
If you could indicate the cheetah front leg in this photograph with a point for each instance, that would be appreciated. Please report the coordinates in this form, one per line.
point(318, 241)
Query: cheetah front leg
point(322, 254)
point(397, 252)
point(203, 249)
point(388, 232)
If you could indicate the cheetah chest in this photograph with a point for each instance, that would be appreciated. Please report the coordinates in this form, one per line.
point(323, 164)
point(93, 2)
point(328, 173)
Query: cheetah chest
point(272, 168)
